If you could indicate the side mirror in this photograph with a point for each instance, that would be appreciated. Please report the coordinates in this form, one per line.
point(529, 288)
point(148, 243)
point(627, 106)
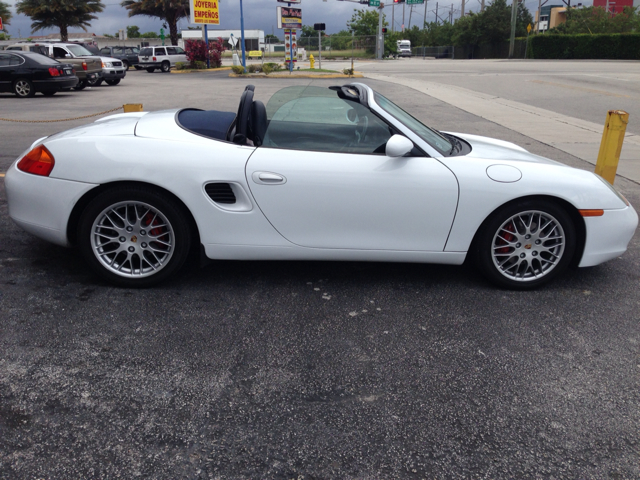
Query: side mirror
point(398, 146)
point(67, 55)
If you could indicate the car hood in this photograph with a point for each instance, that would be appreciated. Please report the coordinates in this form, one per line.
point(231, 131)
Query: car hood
point(491, 148)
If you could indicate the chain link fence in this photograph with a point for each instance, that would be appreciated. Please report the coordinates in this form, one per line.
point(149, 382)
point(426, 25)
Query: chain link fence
point(333, 47)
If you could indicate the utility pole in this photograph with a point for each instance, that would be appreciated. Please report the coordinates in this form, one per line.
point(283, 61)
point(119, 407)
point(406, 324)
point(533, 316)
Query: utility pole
point(482, 6)
point(451, 14)
point(410, 12)
point(393, 17)
point(403, 18)
point(462, 10)
point(424, 22)
point(380, 52)
point(514, 16)
point(437, 18)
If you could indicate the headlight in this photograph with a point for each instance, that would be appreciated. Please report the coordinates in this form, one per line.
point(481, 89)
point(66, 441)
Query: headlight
point(107, 64)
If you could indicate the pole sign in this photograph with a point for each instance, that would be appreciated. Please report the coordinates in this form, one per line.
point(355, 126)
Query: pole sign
point(204, 12)
point(414, 2)
point(289, 17)
point(1, 24)
point(290, 48)
point(374, 3)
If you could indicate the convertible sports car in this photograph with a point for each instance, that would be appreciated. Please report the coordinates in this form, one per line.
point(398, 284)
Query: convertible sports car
point(336, 173)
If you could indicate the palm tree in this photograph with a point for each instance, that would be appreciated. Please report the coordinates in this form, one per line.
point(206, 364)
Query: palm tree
point(168, 10)
point(5, 14)
point(60, 13)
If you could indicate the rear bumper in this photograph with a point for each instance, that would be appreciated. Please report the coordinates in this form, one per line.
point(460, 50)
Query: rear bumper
point(42, 205)
point(55, 84)
point(608, 235)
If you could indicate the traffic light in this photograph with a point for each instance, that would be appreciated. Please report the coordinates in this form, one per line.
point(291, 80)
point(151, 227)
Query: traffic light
point(398, 1)
point(384, 30)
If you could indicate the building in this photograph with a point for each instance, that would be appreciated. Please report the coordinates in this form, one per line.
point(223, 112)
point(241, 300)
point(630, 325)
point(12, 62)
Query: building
point(551, 16)
point(615, 6)
point(253, 39)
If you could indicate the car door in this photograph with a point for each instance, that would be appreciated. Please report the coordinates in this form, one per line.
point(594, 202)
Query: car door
point(323, 180)
point(6, 76)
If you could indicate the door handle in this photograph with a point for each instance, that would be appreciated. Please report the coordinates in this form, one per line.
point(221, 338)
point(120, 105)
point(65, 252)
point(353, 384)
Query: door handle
point(268, 178)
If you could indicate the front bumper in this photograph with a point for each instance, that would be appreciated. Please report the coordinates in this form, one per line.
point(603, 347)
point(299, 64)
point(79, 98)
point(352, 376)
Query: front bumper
point(608, 235)
point(42, 205)
point(113, 73)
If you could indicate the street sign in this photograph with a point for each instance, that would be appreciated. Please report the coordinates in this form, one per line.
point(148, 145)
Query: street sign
point(529, 28)
point(374, 3)
point(319, 26)
point(414, 2)
point(204, 12)
point(289, 17)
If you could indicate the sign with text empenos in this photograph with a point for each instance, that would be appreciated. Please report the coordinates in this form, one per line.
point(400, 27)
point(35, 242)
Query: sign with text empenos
point(289, 17)
point(204, 12)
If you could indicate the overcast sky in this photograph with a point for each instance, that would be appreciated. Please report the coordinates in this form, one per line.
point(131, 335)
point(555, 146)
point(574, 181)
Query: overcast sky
point(261, 14)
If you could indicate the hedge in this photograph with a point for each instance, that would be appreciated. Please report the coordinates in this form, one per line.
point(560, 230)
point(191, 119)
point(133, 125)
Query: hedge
point(612, 46)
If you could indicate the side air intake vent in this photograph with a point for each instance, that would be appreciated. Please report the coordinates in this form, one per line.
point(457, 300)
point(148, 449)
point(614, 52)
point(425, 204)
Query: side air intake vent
point(220, 193)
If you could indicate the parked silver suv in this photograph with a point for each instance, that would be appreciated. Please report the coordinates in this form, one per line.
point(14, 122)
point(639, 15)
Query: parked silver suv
point(163, 58)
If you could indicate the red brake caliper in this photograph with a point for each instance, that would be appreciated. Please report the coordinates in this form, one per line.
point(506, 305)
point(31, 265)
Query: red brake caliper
point(508, 237)
point(150, 221)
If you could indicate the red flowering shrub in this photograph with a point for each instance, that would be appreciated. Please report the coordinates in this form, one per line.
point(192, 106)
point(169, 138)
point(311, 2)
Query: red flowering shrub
point(197, 51)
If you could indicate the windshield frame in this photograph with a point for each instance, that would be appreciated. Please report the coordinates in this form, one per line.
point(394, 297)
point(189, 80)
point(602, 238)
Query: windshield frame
point(432, 137)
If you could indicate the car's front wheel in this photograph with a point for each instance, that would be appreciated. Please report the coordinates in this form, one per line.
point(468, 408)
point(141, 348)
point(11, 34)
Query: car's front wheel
point(23, 88)
point(115, 81)
point(526, 244)
point(151, 69)
point(125, 64)
point(133, 236)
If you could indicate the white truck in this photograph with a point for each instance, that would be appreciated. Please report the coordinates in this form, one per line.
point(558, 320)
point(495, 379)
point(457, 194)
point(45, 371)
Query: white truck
point(404, 48)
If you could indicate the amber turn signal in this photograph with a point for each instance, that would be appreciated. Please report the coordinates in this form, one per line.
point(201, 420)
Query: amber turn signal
point(591, 213)
point(38, 161)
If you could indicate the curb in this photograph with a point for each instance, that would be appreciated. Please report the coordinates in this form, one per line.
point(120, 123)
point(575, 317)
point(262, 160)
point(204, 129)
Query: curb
point(202, 70)
point(287, 75)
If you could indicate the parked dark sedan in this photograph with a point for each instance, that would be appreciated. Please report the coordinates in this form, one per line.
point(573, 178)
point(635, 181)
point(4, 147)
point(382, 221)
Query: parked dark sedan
point(25, 73)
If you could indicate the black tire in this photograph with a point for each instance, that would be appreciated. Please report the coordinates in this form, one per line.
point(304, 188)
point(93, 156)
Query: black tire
point(151, 69)
point(125, 64)
point(97, 83)
point(48, 93)
point(118, 252)
point(525, 256)
point(23, 88)
point(137, 67)
point(165, 67)
point(81, 85)
point(113, 82)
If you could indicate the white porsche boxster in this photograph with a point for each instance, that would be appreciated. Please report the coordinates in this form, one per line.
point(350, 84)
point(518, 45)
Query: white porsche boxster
point(336, 173)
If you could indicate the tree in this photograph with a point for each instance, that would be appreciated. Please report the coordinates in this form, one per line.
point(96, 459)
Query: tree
point(597, 20)
point(133, 32)
point(60, 13)
point(269, 38)
point(365, 22)
point(5, 14)
point(150, 35)
point(168, 10)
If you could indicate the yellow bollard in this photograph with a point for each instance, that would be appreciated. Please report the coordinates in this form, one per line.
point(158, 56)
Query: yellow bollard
point(611, 145)
point(132, 107)
point(312, 62)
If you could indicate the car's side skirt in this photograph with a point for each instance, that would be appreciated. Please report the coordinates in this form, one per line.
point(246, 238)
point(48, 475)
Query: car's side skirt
point(250, 252)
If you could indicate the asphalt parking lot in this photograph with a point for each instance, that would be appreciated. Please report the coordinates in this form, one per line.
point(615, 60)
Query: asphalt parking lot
point(308, 370)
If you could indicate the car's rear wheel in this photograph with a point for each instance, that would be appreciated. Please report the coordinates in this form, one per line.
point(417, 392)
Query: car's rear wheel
point(115, 81)
point(526, 244)
point(151, 69)
point(137, 67)
point(23, 88)
point(134, 236)
point(165, 67)
point(97, 83)
point(81, 85)
point(48, 93)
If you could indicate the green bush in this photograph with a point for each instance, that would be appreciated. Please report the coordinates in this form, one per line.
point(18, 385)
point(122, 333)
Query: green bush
point(238, 69)
point(253, 68)
point(266, 69)
point(200, 65)
point(614, 46)
point(276, 67)
point(348, 71)
point(182, 65)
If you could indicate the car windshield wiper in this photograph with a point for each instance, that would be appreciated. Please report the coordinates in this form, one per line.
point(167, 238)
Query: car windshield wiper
point(456, 145)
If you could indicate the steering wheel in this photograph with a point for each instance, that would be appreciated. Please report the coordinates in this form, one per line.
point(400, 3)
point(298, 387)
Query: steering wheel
point(242, 119)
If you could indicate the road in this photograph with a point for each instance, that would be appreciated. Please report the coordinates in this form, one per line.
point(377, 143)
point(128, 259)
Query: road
point(309, 370)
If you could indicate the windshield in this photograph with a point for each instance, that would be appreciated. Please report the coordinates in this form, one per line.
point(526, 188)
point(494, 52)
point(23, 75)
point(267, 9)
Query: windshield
point(79, 50)
point(429, 135)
